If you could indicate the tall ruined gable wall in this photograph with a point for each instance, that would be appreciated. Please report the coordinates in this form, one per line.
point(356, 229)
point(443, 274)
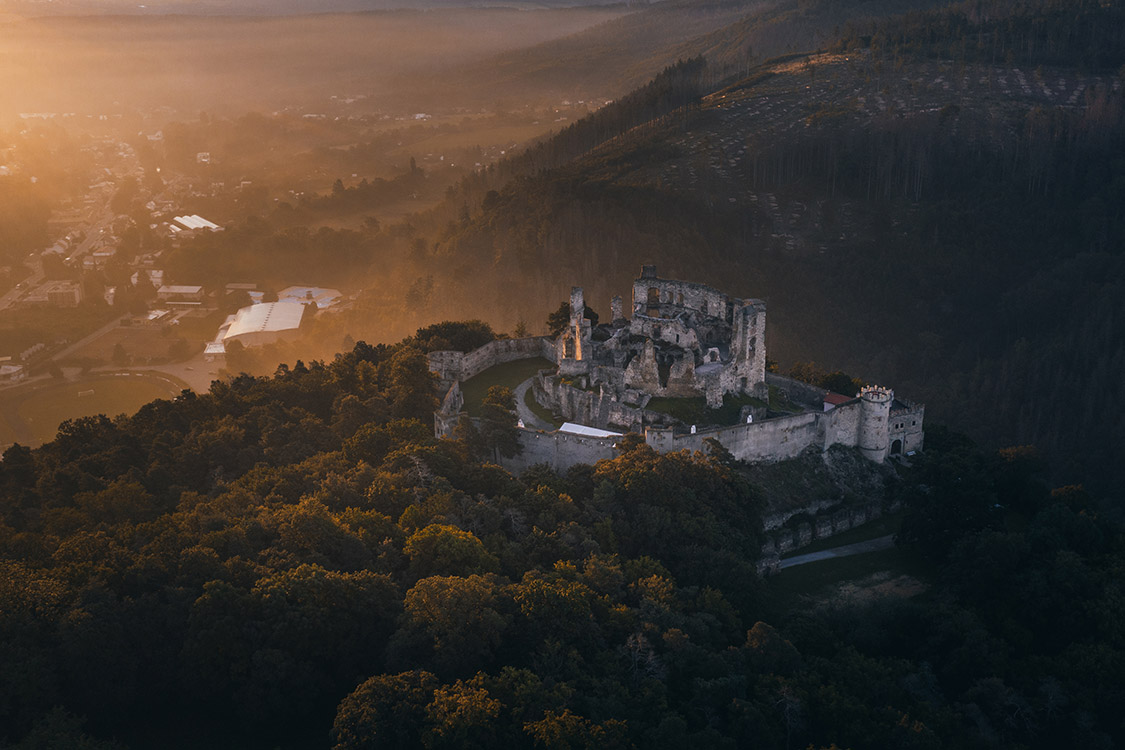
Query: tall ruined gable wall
point(687, 294)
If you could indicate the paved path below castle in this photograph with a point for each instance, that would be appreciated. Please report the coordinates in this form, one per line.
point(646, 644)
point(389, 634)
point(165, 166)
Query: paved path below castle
point(530, 421)
point(871, 545)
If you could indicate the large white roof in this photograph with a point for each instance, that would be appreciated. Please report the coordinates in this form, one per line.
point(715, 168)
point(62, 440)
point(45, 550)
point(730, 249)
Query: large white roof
point(581, 429)
point(269, 316)
point(195, 221)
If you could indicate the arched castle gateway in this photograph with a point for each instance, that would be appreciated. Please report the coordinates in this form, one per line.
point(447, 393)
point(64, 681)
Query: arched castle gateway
point(686, 343)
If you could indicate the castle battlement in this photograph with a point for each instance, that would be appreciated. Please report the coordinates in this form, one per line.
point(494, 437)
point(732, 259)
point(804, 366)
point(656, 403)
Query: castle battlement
point(876, 394)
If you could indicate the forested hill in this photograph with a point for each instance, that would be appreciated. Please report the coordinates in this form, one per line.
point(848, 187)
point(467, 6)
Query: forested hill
point(296, 562)
point(615, 57)
point(933, 203)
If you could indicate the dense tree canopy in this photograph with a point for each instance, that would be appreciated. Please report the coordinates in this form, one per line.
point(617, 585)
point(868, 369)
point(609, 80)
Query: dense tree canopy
point(296, 561)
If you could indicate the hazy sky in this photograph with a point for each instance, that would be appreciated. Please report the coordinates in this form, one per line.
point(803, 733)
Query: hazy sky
point(256, 7)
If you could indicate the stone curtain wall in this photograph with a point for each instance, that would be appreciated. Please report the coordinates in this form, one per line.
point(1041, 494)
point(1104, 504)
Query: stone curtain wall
point(823, 523)
point(452, 366)
point(559, 450)
point(506, 350)
point(842, 425)
point(768, 440)
point(447, 366)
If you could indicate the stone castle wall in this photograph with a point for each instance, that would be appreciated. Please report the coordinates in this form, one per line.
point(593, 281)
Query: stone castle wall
point(842, 424)
point(447, 366)
point(821, 521)
point(774, 439)
point(768, 440)
point(452, 366)
point(559, 450)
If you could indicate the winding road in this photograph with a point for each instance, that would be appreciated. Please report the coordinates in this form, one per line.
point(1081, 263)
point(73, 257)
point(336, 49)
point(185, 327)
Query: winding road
point(871, 545)
point(530, 421)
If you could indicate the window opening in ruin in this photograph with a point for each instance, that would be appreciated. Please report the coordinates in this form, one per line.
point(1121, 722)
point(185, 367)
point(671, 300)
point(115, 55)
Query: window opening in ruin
point(663, 371)
point(753, 342)
point(703, 308)
point(653, 302)
point(679, 299)
point(896, 447)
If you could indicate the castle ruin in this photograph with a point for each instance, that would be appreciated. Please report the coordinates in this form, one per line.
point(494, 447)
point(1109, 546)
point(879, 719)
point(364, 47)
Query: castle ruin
point(685, 343)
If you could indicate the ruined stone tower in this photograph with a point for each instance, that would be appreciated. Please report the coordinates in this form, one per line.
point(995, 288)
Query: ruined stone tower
point(574, 345)
point(617, 309)
point(874, 417)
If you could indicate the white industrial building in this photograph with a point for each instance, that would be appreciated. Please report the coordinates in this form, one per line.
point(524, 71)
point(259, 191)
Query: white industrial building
point(180, 294)
point(195, 221)
point(262, 324)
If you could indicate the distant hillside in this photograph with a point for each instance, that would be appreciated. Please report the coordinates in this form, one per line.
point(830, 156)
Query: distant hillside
point(233, 65)
point(948, 226)
point(612, 58)
point(605, 61)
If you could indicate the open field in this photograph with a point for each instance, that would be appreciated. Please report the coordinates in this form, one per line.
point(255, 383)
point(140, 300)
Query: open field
point(891, 572)
point(30, 414)
point(23, 327)
point(508, 375)
point(142, 344)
